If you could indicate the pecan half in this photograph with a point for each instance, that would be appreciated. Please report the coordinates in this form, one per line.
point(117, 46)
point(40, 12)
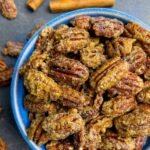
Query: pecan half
point(5, 76)
point(83, 22)
point(131, 84)
point(9, 9)
point(3, 65)
point(134, 30)
point(41, 86)
point(109, 74)
point(61, 125)
point(137, 60)
point(120, 46)
point(107, 27)
point(144, 95)
point(68, 71)
point(119, 105)
point(135, 123)
point(12, 48)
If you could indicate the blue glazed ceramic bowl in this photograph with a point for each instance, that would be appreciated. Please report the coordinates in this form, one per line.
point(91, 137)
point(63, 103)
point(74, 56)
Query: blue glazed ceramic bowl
point(17, 87)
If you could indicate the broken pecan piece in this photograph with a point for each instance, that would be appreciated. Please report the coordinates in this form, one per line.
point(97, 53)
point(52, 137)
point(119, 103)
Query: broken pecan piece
point(144, 95)
point(137, 60)
point(131, 84)
point(135, 123)
point(12, 48)
point(3, 65)
point(119, 105)
point(61, 125)
point(120, 46)
point(109, 74)
point(3, 145)
point(5, 76)
point(41, 86)
point(107, 27)
point(68, 71)
point(9, 9)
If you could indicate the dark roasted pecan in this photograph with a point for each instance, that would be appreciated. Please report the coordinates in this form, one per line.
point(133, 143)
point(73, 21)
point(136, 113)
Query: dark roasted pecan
point(131, 84)
point(36, 105)
point(120, 46)
point(72, 98)
point(9, 9)
point(3, 145)
point(137, 60)
point(5, 76)
point(144, 95)
point(83, 22)
point(61, 125)
point(13, 48)
point(135, 123)
point(134, 30)
point(41, 86)
point(107, 27)
point(92, 56)
point(3, 65)
point(68, 71)
point(70, 39)
point(112, 141)
point(109, 74)
point(119, 105)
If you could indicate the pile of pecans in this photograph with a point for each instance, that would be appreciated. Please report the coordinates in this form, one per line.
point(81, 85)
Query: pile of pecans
point(88, 86)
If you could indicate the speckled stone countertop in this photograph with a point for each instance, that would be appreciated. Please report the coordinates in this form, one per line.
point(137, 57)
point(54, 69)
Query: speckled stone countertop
point(18, 29)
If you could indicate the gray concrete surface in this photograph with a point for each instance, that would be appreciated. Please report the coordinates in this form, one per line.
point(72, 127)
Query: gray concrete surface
point(18, 29)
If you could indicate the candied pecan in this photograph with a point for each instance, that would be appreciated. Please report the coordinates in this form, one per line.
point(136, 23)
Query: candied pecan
point(120, 46)
point(118, 106)
point(45, 40)
point(144, 95)
point(92, 56)
point(61, 125)
point(107, 27)
point(135, 123)
point(131, 84)
point(12, 48)
point(147, 71)
point(3, 145)
point(136, 31)
point(33, 127)
point(41, 86)
point(70, 39)
point(5, 76)
point(68, 71)
point(3, 65)
point(35, 30)
point(109, 74)
point(83, 22)
point(39, 106)
point(137, 60)
point(72, 98)
point(112, 141)
point(9, 9)
point(44, 138)
point(36, 61)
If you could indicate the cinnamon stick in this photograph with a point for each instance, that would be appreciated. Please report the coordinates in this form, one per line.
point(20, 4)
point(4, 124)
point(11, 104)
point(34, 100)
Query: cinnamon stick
point(34, 4)
point(65, 5)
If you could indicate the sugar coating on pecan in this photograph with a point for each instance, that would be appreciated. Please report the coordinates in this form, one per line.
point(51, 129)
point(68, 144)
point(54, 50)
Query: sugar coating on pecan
point(119, 105)
point(83, 22)
point(135, 123)
point(120, 46)
point(60, 126)
point(107, 27)
point(92, 56)
point(137, 60)
point(138, 32)
point(68, 71)
point(3, 65)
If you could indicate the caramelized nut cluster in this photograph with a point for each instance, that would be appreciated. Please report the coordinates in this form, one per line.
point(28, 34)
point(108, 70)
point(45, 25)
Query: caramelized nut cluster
point(88, 86)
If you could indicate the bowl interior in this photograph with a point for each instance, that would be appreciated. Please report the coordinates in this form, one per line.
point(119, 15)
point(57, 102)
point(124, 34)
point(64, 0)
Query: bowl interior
point(17, 88)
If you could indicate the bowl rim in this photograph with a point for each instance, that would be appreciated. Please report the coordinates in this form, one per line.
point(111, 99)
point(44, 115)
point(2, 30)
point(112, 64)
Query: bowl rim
point(101, 11)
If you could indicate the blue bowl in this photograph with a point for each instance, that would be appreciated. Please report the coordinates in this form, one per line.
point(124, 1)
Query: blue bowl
point(17, 87)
